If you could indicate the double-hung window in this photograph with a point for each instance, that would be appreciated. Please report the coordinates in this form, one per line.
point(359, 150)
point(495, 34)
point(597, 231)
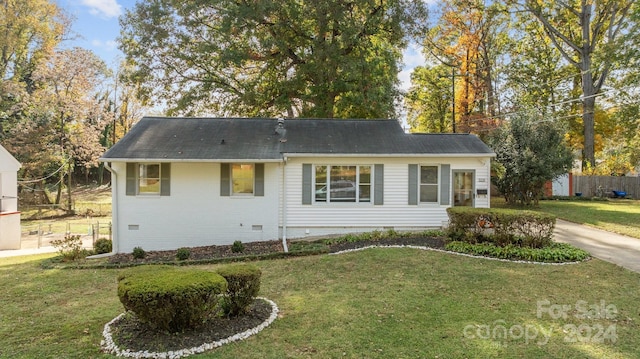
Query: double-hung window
point(149, 178)
point(429, 184)
point(146, 179)
point(242, 178)
point(342, 183)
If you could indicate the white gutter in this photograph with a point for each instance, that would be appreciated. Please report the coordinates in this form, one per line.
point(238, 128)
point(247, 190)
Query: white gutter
point(284, 205)
point(397, 155)
point(190, 160)
point(114, 208)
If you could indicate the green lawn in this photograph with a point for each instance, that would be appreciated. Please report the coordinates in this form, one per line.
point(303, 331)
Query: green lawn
point(615, 215)
point(378, 303)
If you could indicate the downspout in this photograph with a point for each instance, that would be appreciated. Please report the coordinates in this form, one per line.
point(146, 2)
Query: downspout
point(114, 208)
point(284, 204)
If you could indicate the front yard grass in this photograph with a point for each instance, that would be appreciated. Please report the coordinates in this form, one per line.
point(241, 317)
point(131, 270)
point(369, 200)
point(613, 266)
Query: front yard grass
point(614, 215)
point(375, 303)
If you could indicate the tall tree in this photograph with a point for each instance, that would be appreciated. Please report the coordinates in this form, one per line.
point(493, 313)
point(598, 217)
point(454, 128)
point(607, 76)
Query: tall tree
point(29, 32)
point(329, 58)
point(536, 76)
point(66, 97)
point(469, 36)
point(429, 100)
point(585, 32)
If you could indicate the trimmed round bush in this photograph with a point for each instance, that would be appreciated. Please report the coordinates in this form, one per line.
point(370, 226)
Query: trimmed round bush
point(103, 245)
point(243, 286)
point(169, 298)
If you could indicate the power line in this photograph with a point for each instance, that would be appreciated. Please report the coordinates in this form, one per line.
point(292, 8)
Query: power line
point(25, 181)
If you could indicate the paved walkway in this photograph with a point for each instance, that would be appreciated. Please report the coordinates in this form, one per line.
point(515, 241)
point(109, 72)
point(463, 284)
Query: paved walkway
point(611, 247)
point(31, 247)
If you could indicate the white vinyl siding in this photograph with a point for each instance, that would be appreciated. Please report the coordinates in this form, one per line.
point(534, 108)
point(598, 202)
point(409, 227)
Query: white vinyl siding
point(305, 220)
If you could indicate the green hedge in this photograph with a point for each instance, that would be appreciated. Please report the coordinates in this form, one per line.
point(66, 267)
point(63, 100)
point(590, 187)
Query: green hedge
point(171, 298)
point(243, 286)
point(553, 253)
point(501, 226)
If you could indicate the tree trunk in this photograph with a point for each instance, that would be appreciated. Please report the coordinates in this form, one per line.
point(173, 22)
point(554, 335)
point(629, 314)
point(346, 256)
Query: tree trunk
point(60, 184)
point(69, 210)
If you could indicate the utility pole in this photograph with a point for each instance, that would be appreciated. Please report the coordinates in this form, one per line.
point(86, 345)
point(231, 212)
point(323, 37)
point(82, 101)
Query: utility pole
point(453, 97)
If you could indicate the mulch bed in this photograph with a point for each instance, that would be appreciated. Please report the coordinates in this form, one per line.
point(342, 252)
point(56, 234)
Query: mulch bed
point(201, 253)
point(260, 248)
point(130, 333)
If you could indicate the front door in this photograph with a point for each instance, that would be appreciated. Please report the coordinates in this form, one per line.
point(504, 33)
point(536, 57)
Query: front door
point(463, 191)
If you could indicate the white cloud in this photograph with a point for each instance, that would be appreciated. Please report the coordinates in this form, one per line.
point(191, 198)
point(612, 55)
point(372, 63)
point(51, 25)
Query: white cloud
point(104, 8)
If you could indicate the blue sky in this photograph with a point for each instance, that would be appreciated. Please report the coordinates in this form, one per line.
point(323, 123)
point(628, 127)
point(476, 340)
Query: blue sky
point(96, 28)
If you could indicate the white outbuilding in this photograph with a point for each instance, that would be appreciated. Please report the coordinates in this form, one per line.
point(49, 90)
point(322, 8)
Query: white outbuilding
point(9, 215)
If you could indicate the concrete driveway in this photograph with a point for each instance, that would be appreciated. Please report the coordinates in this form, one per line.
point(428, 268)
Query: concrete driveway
point(611, 247)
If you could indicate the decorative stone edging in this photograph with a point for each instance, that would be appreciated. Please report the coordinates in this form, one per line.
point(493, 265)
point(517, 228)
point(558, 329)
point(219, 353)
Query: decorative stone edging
point(109, 346)
point(456, 253)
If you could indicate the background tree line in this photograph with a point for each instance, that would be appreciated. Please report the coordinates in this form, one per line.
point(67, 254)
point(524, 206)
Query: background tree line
point(60, 108)
point(572, 64)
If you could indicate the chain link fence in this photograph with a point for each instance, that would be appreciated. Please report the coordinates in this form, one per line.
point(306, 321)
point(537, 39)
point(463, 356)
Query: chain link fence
point(43, 233)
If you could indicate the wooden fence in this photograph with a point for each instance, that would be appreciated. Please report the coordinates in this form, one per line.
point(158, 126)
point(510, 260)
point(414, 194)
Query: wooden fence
point(589, 185)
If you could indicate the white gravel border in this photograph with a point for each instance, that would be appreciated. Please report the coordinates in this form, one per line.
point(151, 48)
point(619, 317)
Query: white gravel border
point(108, 346)
point(451, 252)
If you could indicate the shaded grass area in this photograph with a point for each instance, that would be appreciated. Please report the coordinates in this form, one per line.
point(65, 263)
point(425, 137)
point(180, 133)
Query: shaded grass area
point(615, 215)
point(376, 303)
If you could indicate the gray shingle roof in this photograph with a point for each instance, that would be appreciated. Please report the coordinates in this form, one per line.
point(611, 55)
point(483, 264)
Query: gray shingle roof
point(219, 139)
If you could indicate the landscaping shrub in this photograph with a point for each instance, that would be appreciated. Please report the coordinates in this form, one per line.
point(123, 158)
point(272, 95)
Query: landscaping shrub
point(182, 254)
point(139, 253)
point(169, 298)
point(70, 248)
point(501, 226)
point(237, 247)
point(103, 245)
point(553, 253)
point(243, 286)
point(379, 235)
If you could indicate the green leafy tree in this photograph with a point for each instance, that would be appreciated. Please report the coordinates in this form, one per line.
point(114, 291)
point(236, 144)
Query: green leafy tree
point(587, 34)
point(65, 102)
point(530, 152)
point(329, 58)
point(536, 74)
point(429, 99)
point(29, 32)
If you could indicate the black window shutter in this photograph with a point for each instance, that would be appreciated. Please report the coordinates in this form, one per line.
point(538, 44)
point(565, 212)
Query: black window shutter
point(259, 173)
point(378, 184)
point(306, 183)
point(131, 179)
point(225, 180)
point(413, 184)
point(445, 185)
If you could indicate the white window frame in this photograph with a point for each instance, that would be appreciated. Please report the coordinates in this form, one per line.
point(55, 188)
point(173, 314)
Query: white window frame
point(357, 184)
point(140, 177)
point(253, 178)
point(437, 184)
